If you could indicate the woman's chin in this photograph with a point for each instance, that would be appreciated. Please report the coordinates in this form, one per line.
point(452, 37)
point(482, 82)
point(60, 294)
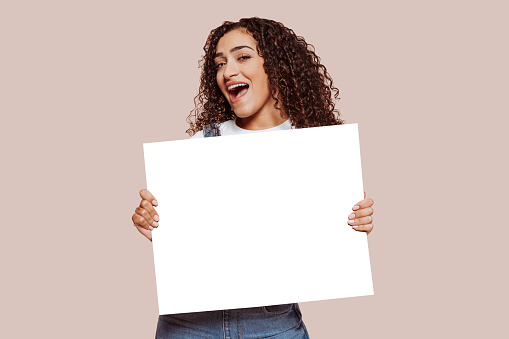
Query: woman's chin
point(242, 114)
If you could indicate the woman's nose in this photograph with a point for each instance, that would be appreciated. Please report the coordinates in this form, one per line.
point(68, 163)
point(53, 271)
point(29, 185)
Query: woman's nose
point(230, 69)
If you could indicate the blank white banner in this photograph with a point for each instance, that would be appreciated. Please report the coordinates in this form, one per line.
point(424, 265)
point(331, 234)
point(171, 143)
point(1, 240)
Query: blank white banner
point(257, 219)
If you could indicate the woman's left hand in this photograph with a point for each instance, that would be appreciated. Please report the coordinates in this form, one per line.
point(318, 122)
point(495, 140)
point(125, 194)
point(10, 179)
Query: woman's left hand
point(362, 218)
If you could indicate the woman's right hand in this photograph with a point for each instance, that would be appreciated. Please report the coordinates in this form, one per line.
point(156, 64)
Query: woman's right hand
point(145, 217)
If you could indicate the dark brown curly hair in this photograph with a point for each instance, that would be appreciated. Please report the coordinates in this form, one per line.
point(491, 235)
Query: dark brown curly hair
point(299, 83)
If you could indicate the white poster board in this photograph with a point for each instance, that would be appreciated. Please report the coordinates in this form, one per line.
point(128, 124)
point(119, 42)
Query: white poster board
point(257, 219)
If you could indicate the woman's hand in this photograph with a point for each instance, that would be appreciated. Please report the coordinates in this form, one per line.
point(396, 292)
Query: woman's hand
point(362, 218)
point(145, 217)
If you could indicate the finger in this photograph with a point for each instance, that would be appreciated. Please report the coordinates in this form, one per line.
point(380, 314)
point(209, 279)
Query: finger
point(141, 219)
point(361, 213)
point(361, 221)
point(146, 195)
point(145, 232)
point(364, 228)
point(146, 205)
point(363, 204)
point(147, 216)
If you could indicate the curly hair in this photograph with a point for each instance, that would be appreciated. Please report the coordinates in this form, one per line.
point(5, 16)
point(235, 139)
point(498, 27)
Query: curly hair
point(299, 83)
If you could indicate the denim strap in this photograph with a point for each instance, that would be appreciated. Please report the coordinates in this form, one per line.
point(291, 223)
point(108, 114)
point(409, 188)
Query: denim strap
point(211, 130)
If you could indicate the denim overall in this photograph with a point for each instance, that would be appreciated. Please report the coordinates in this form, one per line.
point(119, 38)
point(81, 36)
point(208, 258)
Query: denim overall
point(277, 321)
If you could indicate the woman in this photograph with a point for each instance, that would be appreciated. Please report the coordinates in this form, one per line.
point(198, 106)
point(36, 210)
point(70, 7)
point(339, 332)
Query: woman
point(257, 75)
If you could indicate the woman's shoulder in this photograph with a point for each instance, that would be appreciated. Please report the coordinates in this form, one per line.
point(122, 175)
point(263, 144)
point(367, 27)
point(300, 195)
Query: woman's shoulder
point(230, 128)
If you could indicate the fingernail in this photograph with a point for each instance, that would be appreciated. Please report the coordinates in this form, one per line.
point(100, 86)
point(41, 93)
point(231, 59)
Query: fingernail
point(351, 216)
point(156, 217)
point(150, 228)
point(155, 224)
point(355, 208)
point(154, 202)
point(351, 222)
point(355, 226)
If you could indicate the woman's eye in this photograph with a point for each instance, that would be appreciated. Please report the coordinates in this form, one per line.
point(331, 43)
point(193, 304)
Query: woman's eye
point(244, 57)
point(219, 65)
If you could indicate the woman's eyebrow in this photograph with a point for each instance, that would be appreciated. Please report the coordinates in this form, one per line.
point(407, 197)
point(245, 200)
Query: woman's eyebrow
point(232, 50)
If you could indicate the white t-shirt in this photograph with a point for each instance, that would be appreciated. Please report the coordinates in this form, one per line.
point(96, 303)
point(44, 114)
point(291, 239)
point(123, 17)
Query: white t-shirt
point(230, 127)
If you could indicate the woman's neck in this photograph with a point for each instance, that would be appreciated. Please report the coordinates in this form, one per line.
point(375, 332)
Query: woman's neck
point(259, 122)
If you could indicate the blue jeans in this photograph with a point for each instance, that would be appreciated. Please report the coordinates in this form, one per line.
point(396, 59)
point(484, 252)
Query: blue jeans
point(277, 322)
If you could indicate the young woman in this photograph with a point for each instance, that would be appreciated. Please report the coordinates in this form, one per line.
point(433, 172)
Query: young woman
point(257, 75)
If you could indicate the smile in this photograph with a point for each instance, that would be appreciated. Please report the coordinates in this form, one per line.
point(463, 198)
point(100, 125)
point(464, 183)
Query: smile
point(237, 91)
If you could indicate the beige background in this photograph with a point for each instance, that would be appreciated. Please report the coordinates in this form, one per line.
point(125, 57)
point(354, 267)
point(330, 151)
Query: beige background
point(85, 83)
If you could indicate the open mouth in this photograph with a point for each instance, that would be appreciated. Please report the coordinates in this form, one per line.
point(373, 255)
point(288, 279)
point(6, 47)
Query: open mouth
point(237, 91)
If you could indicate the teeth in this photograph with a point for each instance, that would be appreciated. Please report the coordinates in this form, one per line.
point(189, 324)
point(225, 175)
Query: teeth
point(236, 85)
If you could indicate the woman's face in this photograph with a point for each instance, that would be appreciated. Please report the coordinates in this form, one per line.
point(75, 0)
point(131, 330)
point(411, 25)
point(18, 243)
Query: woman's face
point(241, 76)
